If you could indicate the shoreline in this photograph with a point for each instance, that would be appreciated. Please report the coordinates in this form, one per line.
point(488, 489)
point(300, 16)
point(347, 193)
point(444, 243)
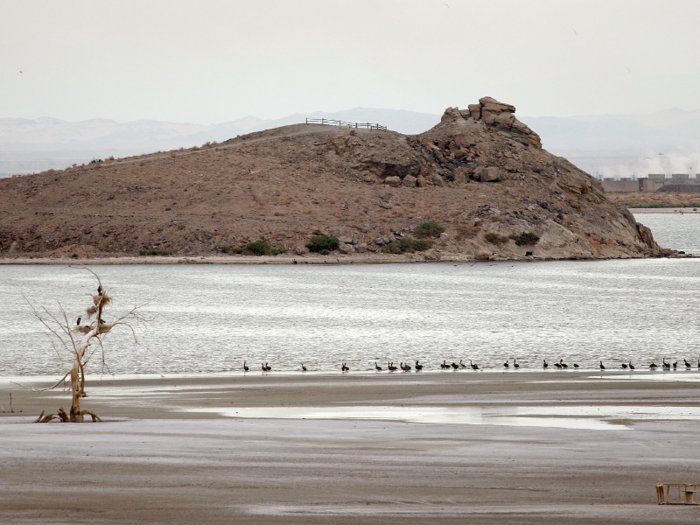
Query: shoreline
point(527, 448)
point(681, 210)
point(279, 260)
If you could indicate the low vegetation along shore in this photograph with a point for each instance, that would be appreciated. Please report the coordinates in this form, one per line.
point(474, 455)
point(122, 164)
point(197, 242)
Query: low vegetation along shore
point(689, 202)
point(480, 176)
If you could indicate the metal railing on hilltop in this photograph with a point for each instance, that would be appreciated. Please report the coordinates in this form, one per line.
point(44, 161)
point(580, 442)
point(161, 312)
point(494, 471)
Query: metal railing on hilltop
point(343, 124)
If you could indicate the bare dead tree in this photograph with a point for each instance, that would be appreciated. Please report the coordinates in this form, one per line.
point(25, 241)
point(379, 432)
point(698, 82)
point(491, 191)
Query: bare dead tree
point(78, 344)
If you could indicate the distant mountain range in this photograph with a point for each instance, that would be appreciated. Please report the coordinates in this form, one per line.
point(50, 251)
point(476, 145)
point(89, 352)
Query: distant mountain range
point(666, 141)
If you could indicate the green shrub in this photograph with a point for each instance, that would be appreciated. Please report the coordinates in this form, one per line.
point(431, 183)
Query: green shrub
point(278, 251)
point(318, 243)
point(407, 245)
point(494, 238)
point(75, 256)
point(526, 238)
point(154, 252)
point(429, 229)
point(257, 248)
point(225, 249)
point(324, 252)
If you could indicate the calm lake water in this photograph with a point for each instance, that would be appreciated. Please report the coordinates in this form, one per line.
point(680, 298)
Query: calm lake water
point(212, 318)
point(674, 230)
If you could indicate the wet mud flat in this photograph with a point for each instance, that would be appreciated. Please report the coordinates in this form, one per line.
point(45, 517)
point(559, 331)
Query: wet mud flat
point(362, 448)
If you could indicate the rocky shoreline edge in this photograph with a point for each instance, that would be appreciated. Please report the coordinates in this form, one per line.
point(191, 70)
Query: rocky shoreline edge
point(252, 259)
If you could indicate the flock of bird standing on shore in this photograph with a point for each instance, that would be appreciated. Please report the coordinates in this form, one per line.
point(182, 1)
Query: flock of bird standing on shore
point(560, 365)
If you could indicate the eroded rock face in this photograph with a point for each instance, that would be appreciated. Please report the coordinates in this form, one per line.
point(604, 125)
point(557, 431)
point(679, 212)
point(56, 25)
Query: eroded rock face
point(496, 115)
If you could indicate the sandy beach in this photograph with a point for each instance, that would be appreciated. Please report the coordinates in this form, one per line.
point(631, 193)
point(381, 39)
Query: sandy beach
point(536, 447)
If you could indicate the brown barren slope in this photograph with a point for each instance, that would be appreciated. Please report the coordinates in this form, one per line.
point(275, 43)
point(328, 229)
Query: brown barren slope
point(480, 173)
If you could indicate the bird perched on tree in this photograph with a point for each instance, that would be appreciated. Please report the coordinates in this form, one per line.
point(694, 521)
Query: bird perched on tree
point(78, 321)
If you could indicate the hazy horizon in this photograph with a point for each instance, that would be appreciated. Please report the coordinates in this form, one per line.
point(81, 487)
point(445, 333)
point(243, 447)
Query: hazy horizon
point(665, 141)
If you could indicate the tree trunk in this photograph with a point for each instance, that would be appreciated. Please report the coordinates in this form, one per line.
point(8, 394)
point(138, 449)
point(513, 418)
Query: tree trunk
point(75, 415)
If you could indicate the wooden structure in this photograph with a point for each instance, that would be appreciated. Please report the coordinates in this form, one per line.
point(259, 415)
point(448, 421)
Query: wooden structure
point(677, 493)
point(341, 124)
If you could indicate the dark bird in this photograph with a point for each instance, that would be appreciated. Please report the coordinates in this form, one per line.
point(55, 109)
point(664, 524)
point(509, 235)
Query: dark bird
point(245, 367)
point(78, 321)
point(344, 367)
point(405, 367)
point(444, 365)
point(687, 364)
point(391, 366)
point(558, 365)
point(266, 367)
point(99, 290)
point(515, 365)
point(303, 368)
point(652, 366)
point(418, 366)
point(675, 365)
point(631, 366)
point(575, 365)
point(544, 364)
point(462, 364)
point(473, 365)
point(624, 365)
point(563, 364)
point(294, 261)
point(602, 366)
point(506, 365)
point(667, 366)
point(376, 366)
point(454, 365)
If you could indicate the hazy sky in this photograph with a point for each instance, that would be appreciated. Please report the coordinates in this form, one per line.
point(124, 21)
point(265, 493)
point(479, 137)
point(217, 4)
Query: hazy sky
point(212, 61)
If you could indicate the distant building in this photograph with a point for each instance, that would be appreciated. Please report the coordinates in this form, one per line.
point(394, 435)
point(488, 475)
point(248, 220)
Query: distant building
point(621, 186)
point(677, 183)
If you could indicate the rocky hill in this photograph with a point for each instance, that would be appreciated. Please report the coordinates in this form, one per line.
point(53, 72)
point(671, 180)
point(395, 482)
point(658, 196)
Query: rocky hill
point(481, 174)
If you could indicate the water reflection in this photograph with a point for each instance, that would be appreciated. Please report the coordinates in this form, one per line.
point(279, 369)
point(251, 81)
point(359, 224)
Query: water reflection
point(459, 415)
point(209, 319)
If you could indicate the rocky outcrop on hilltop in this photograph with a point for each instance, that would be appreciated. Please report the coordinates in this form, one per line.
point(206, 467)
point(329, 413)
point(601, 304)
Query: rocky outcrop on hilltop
point(480, 174)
